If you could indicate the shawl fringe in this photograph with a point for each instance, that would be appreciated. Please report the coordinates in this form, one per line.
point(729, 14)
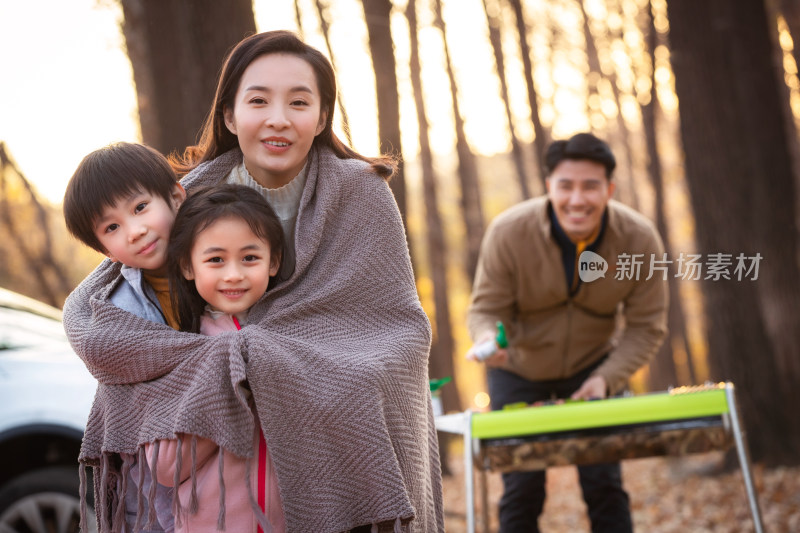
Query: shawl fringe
point(221, 515)
point(176, 479)
point(114, 489)
point(261, 518)
point(104, 493)
point(125, 472)
point(82, 495)
point(140, 489)
point(151, 497)
point(193, 497)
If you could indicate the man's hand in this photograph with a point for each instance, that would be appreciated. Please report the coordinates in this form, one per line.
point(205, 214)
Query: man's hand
point(498, 358)
point(594, 388)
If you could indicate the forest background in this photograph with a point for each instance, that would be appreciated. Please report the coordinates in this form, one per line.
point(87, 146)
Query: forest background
point(700, 101)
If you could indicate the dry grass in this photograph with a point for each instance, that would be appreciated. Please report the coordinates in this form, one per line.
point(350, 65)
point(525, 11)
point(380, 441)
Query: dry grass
point(668, 495)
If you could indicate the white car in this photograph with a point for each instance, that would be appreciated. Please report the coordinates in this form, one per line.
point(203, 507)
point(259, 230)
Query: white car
point(45, 396)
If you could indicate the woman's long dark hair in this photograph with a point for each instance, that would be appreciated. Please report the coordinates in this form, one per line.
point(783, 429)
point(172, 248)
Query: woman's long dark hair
point(203, 207)
point(216, 139)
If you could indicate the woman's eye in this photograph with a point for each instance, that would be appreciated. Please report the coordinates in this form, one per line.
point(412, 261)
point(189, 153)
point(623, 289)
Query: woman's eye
point(299, 103)
point(250, 258)
point(214, 260)
point(258, 100)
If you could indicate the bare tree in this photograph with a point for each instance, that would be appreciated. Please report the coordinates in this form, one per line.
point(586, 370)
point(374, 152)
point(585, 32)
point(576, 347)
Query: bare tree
point(298, 17)
point(323, 21)
point(377, 14)
point(467, 169)
point(176, 49)
point(441, 361)
point(34, 242)
point(542, 137)
point(494, 22)
point(596, 74)
point(790, 9)
point(662, 369)
point(743, 193)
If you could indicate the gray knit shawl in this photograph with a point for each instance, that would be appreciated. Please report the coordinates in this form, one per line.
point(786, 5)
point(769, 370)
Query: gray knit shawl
point(336, 357)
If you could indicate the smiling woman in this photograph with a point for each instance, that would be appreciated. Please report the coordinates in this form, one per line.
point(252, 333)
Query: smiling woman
point(276, 115)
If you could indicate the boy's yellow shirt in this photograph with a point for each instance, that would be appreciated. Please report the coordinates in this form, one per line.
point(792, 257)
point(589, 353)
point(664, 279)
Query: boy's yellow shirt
point(161, 286)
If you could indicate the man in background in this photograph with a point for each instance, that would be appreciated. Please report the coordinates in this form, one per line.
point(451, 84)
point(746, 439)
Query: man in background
point(563, 340)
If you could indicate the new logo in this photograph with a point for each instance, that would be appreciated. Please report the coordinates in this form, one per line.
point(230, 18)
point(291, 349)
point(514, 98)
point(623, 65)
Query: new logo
point(591, 266)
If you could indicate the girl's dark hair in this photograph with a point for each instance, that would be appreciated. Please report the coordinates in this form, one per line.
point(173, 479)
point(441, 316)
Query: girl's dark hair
point(106, 176)
point(203, 207)
point(216, 139)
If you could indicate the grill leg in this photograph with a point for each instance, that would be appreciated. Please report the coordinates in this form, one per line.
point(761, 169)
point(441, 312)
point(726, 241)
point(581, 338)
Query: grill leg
point(484, 500)
point(469, 480)
point(744, 458)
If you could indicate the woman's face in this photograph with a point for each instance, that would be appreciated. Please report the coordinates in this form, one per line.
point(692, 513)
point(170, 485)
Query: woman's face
point(276, 115)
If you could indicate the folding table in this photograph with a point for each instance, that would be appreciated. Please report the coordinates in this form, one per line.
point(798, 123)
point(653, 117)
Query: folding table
point(675, 422)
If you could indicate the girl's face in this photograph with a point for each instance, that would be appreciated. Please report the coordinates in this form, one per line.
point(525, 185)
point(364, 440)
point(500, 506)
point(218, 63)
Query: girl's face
point(231, 265)
point(276, 115)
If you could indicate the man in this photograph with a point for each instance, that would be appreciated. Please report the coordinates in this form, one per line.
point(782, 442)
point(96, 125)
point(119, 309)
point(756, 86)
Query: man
point(563, 340)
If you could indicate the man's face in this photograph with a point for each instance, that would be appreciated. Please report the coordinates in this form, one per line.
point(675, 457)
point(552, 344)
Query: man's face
point(579, 192)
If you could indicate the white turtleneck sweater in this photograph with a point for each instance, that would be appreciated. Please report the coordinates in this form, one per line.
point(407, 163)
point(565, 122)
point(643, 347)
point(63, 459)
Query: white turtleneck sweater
point(286, 203)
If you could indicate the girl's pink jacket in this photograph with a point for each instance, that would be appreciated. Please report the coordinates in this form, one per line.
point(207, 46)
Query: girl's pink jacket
point(239, 514)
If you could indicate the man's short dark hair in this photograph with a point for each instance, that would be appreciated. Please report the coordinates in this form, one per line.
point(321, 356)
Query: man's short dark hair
point(582, 146)
point(108, 175)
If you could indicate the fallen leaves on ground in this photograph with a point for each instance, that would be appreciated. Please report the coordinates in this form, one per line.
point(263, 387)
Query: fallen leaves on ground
point(668, 495)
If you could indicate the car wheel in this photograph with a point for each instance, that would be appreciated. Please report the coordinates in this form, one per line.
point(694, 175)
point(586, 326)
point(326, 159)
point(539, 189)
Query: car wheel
point(43, 501)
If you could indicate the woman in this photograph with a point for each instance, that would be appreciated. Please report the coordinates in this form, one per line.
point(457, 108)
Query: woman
point(336, 358)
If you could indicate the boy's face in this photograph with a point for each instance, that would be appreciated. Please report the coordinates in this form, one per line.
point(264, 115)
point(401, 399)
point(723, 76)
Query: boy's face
point(135, 230)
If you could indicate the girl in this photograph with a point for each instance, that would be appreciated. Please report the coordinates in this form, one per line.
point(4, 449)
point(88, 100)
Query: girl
point(225, 246)
point(336, 354)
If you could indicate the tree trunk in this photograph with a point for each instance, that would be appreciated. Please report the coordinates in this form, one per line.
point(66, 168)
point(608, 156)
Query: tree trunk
point(790, 9)
point(441, 360)
point(323, 21)
point(495, 38)
point(542, 137)
point(662, 369)
point(176, 48)
point(743, 191)
point(298, 18)
point(36, 244)
point(467, 168)
point(377, 14)
point(628, 192)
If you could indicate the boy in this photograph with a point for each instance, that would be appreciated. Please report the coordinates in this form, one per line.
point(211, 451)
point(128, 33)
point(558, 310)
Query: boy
point(122, 201)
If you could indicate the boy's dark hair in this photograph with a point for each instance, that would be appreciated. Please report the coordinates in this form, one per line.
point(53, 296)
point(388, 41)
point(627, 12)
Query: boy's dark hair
point(108, 175)
point(583, 146)
point(203, 207)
